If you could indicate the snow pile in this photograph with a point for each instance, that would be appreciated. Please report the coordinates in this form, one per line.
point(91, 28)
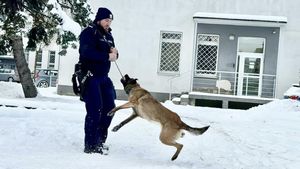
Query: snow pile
point(11, 90)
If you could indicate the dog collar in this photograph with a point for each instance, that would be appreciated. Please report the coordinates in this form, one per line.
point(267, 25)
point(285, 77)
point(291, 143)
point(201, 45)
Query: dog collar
point(128, 88)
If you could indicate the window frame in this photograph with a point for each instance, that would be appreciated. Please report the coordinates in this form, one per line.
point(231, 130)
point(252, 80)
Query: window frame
point(162, 40)
point(49, 59)
point(217, 44)
point(38, 64)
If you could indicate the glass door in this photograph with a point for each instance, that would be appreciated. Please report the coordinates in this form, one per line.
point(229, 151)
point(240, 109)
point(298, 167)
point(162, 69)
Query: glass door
point(250, 66)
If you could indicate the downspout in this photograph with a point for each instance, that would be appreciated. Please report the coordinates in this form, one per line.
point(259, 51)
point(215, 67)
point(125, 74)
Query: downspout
point(279, 55)
point(194, 54)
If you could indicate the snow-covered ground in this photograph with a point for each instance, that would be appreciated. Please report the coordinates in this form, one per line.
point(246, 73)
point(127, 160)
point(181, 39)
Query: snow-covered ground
point(50, 136)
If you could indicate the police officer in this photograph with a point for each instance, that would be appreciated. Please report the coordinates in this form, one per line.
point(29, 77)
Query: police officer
point(97, 51)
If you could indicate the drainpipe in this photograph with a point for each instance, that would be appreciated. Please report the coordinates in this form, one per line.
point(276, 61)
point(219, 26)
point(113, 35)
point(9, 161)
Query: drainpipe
point(194, 53)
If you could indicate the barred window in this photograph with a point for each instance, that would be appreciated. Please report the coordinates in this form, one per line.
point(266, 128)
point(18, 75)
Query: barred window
point(207, 54)
point(38, 62)
point(170, 47)
point(51, 60)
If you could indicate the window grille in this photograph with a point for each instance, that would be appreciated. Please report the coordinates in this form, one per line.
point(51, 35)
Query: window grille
point(170, 48)
point(51, 60)
point(207, 54)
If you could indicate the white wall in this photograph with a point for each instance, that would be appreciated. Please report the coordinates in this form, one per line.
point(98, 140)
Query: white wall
point(31, 60)
point(136, 29)
point(289, 61)
point(66, 67)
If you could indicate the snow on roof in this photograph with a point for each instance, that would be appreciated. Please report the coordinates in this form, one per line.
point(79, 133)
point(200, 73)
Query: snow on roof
point(7, 56)
point(242, 19)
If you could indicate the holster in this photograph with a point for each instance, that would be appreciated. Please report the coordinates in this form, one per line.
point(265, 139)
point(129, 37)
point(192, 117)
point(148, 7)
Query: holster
point(80, 80)
point(83, 83)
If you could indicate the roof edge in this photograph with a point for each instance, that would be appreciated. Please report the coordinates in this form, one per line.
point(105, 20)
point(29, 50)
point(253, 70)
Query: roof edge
point(241, 17)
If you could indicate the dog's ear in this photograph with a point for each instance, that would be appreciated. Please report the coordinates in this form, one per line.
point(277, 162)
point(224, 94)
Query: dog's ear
point(132, 81)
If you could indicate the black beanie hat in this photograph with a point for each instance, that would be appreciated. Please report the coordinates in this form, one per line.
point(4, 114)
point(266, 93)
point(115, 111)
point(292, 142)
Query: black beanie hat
point(103, 13)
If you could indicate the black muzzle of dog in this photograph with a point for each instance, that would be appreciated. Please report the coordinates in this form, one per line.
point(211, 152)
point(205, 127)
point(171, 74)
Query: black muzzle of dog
point(128, 83)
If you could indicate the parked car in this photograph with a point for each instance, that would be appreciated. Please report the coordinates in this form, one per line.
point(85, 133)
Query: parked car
point(46, 78)
point(9, 75)
point(293, 92)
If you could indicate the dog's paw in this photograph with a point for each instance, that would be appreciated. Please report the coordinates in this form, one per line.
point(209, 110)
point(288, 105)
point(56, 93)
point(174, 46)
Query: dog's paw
point(111, 113)
point(116, 128)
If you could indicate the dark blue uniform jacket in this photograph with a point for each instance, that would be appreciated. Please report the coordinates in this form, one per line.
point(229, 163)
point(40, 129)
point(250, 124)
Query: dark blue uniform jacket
point(95, 44)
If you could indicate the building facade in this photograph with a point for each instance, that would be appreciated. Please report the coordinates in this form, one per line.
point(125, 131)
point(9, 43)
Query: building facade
point(238, 48)
point(44, 58)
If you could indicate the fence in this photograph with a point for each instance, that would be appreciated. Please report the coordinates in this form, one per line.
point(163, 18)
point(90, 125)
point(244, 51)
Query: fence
point(234, 83)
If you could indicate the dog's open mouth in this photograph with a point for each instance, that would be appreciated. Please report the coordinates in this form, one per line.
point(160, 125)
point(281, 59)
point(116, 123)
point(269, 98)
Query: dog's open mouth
point(126, 80)
point(128, 83)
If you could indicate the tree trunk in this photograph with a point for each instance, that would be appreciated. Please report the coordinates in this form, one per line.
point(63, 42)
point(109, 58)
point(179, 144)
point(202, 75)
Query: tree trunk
point(29, 89)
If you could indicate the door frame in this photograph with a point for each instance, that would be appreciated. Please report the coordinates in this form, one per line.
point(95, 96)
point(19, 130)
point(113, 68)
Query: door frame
point(240, 60)
point(241, 74)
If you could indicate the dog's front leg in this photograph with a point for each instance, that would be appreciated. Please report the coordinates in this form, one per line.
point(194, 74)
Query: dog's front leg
point(124, 106)
point(131, 117)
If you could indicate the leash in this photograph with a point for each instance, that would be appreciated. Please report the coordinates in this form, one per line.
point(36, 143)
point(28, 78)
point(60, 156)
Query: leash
point(119, 70)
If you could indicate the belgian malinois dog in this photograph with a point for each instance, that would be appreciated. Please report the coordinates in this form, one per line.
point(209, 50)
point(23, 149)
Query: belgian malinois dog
point(146, 106)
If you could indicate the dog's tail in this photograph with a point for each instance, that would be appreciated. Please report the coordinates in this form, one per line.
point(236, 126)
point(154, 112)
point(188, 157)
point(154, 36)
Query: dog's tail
point(196, 131)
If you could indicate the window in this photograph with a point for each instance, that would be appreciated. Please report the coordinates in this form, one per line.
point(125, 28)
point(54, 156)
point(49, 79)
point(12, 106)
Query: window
point(206, 54)
point(13, 66)
point(170, 47)
point(251, 44)
point(51, 60)
point(38, 62)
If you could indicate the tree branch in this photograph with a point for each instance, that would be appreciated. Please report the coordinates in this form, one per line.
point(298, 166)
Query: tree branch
point(63, 5)
point(34, 12)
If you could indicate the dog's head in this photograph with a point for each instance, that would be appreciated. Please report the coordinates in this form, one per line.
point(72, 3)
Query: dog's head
point(128, 83)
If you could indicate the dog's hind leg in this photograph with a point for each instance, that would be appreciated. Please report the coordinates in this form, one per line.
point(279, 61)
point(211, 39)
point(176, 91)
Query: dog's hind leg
point(168, 137)
point(131, 117)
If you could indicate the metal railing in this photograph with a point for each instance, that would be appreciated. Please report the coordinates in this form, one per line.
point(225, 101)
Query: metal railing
point(234, 83)
point(185, 76)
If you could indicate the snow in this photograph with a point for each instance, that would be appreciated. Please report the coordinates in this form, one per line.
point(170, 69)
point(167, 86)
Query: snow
point(7, 56)
point(50, 136)
point(68, 23)
point(293, 91)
